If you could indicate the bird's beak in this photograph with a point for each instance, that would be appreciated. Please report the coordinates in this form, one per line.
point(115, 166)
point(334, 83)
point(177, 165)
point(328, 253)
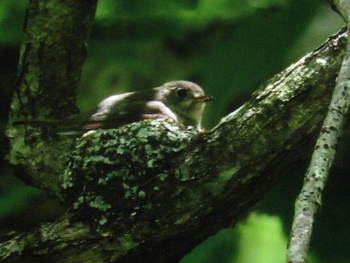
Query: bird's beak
point(204, 99)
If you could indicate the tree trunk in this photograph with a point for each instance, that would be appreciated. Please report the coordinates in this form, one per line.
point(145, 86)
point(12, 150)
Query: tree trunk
point(51, 59)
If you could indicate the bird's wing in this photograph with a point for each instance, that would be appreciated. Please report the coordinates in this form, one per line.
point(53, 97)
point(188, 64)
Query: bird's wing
point(118, 110)
point(128, 111)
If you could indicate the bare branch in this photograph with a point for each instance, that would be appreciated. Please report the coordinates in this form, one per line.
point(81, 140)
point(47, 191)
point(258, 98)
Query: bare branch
point(309, 199)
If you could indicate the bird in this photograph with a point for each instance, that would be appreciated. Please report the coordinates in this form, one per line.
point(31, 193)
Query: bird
point(180, 101)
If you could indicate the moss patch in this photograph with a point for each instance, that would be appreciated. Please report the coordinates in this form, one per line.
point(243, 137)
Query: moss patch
point(116, 171)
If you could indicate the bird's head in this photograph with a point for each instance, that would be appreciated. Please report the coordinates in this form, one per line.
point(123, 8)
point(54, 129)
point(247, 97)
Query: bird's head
point(186, 99)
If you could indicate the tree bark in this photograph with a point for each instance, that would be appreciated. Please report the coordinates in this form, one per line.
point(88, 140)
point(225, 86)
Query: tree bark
point(52, 54)
point(309, 200)
point(130, 201)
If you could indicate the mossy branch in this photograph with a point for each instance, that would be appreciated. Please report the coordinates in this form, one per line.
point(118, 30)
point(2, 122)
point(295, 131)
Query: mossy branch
point(150, 191)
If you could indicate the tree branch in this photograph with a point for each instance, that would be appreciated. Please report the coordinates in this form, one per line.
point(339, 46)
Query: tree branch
point(310, 197)
point(147, 187)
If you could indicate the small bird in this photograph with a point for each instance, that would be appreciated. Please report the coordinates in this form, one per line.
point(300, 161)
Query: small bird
point(181, 101)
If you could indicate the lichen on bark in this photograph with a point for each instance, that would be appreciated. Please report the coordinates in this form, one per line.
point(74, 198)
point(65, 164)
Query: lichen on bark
point(116, 173)
point(50, 64)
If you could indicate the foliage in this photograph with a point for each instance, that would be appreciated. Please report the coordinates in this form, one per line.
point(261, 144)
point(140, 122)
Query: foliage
point(191, 13)
point(11, 21)
point(256, 233)
point(226, 46)
point(14, 200)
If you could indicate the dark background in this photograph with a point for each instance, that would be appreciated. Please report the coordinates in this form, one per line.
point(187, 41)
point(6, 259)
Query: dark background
point(229, 47)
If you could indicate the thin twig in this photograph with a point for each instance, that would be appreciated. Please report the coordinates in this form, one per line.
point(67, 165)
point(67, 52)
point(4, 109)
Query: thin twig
point(309, 199)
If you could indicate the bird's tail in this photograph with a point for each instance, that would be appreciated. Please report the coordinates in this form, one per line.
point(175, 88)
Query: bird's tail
point(70, 127)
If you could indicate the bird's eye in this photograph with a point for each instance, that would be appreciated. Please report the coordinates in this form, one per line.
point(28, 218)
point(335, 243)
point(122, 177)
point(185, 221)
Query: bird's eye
point(181, 93)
